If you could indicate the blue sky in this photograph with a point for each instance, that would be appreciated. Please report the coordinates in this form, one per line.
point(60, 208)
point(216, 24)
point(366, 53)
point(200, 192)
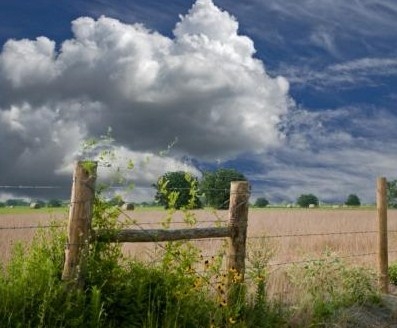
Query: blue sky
point(298, 95)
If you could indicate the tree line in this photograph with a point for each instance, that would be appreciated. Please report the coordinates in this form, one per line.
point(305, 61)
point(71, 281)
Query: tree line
point(183, 190)
point(14, 202)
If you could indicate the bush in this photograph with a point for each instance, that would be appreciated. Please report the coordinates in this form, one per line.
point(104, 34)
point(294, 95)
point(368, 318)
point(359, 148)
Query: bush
point(54, 203)
point(216, 186)
point(306, 200)
point(261, 202)
point(353, 200)
point(393, 273)
point(328, 284)
point(118, 292)
point(177, 190)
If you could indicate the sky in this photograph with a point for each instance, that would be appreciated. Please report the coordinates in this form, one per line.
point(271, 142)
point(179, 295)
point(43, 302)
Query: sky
point(297, 95)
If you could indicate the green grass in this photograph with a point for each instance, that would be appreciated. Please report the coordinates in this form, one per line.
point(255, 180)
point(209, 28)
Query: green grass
point(28, 210)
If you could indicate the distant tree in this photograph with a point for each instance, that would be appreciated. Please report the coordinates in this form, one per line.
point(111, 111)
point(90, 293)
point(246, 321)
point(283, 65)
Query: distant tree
point(177, 190)
point(261, 202)
point(16, 202)
point(39, 202)
point(391, 188)
point(116, 201)
point(353, 200)
point(305, 200)
point(216, 186)
point(2, 204)
point(54, 203)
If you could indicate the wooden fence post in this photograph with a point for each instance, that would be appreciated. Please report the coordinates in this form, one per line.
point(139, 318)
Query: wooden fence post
point(383, 262)
point(79, 225)
point(238, 216)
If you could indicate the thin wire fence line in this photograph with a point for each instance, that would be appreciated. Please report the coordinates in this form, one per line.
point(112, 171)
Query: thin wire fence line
point(224, 255)
point(177, 257)
point(254, 237)
point(139, 224)
point(126, 186)
point(32, 187)
point(313, 234)
point(129, 188)
point(321, 259)
point(32, 227)
point(198, 223)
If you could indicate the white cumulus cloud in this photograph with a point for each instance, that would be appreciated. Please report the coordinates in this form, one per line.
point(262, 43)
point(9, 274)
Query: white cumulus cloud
point(203, 86)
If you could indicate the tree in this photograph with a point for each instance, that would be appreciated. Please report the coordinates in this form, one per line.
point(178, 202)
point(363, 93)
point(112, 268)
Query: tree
point(117, 200)
point(307, 199)
point(177, 190)
point(353, 200)
point(216, 186)
point(391, 188)
point(16, 202)
point(261, 202)
point(54, 203)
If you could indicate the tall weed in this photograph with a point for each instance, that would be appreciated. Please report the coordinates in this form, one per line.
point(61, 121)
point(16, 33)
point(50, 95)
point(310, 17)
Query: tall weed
point(328, 284)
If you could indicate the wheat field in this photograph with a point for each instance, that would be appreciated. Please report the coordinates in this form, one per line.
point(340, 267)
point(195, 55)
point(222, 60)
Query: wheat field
point(293, 235)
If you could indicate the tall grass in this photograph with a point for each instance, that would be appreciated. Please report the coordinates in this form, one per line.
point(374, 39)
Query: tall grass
point(180, 288)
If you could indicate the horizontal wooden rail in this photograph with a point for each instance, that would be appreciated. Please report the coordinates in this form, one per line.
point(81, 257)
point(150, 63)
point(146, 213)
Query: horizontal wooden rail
point(157, 235)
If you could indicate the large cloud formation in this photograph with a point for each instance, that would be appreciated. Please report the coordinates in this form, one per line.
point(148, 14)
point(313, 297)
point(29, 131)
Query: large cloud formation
point(204, 87)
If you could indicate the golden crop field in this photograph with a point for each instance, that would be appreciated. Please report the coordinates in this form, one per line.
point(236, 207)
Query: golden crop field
point(293, 234)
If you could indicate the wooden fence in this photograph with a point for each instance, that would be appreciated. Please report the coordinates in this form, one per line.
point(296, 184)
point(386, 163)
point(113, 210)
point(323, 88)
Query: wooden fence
point(80, 233)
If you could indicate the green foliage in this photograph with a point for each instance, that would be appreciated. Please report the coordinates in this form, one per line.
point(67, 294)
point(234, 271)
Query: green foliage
point(2, 204)
point(177, 190)
point(54, 203)
point(117, 200)
point(216, 186)
point(261, 312)
point(393, 273)
point(391, 188)
point(353, 200)
point(329, 284)
point(16, 202)
point(261, 202)
point(305, 200)
point(31, 294)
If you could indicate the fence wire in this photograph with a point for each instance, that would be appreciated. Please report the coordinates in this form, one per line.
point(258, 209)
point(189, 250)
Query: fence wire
point(221, 219)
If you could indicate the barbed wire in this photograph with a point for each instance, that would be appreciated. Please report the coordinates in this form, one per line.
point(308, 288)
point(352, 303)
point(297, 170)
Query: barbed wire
point(224, 255)
point(313, 234)
point(31, 187)
point(198, 223)
point(127, 186)
point(320, 259)
point(31, 227)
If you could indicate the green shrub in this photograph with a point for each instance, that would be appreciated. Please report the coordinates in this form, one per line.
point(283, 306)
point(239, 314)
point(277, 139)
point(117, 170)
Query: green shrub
point(261, 202)
point(393, 273)
point(305, 200)
point(328, 284)
point(118, 292)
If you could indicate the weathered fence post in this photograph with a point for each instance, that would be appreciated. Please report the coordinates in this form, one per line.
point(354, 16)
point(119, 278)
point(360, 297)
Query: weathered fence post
point(238, 216)
point(383, 262)
point(79, 225)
